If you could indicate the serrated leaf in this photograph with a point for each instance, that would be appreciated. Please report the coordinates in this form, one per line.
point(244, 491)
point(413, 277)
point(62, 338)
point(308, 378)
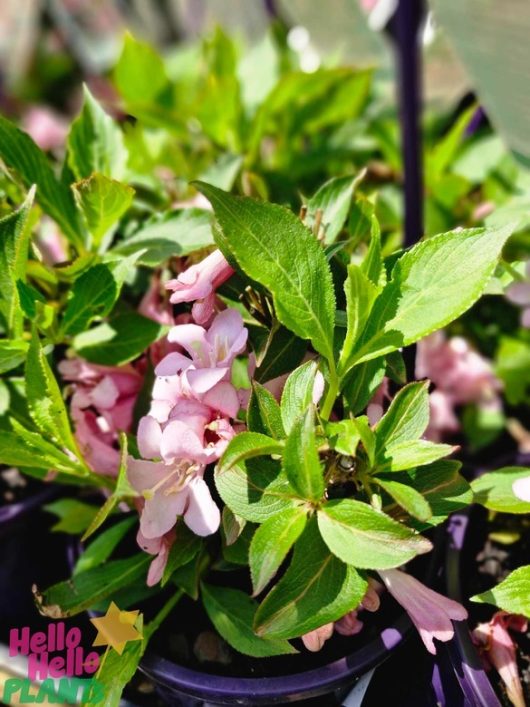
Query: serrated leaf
point(264, 414)
point(186, 546)
point(494, 490)
point(232, 612)
point(432, 284)
point(12, 353)
point(271, 543)
point(361, 294)
point(28, 297)
point(246, 445)
point(297, 393)
point(74, 515)
point(366, 538)
point(120, 340)
point(316, 589)
point(45, 402)
point(407, 497)
point(100, 549)
point(103, 201)
point(282, 353)
point(255, 490)
point(367, 436)
point(87, 588)
point(333, 200)
point(273, 247)
point(232, 526)
point(14, 242)
point(300, 458)
point(22, 447)
point(512, 594)
point(361, 383)
point(139, 73)
point(93, 295)
point(406, 418)
point(373, 266)
point(412, 453)
point(95, 143)
point(20, 153)
point(174, 233)
point(343, 437)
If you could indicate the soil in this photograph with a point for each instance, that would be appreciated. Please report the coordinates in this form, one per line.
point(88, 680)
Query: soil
point(491, 561)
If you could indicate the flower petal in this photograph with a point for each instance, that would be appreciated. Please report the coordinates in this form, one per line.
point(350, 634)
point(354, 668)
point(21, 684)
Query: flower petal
point(192, 338)
point(202, 515)
point(180, 442)
point(224, 398)
point(172, 364)
point(149, 437)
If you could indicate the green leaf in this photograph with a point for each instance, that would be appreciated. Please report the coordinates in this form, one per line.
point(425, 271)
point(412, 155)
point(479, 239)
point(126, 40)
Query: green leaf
point(367, 436)
point(343, 437)
point(255, 490)
point(366, 538)
point(139, 74)
point(440, 483)
point(361, 294)
point(300, 459)
point(432, 284)
point(45, 402)
point(246, 445)
point(93, 295)
point(271, 543)
point(173, 233)
point(494, 490)
point(14, 242)
point(237, 552)
point(282, 353)
point(118, 341)
point(264, 414)
point(407, 497)
point(74, 516)
point(103, 202)
point(123, 490)
point(232, 612)
point(22, 447)
point(406, 418)
point(512, 594)
point(95, 143)
point(333, 200)
point(416, 452)
point(361, 383)
point(100, 549)
point(373, 266)
point(20, 153)
point(273, 247)
point(186, 546)
point(87, 588)
point(297, 394)
point(232, 526)
point(29, 297)
point(316, 589)
point(12, 353)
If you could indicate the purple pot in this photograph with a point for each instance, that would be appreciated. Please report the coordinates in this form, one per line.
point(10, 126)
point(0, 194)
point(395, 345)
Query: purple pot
point(190, 688)
point(460, 665)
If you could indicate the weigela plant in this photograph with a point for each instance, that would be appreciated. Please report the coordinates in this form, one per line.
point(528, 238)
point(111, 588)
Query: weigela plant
point(228, 377)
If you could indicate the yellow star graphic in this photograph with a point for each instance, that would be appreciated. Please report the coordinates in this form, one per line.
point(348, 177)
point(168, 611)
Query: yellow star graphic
point(116, 628)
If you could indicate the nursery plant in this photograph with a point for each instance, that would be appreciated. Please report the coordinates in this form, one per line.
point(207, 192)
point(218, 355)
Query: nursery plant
point(216, 369)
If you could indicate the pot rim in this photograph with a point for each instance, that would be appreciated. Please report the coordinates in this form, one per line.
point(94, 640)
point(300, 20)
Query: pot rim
point(272, 689)
point(13, 511)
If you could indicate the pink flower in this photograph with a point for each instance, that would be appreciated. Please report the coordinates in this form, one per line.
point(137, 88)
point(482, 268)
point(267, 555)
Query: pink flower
point(188, 426)
point(314, 640)
point(498, 650)
point(101, 406)
point(519, 294)
point(47, 128)
point(349, 625)
point(199, 282)
point(461, 376)
point(159, 547)
point(521, 488)
point(429, 611)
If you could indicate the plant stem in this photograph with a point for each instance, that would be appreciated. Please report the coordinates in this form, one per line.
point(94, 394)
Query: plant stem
point(331, 394)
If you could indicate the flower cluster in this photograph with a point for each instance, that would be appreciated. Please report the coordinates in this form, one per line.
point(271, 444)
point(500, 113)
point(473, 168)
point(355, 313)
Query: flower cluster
point(461, 376)
point(188, 426)
point(102, 405)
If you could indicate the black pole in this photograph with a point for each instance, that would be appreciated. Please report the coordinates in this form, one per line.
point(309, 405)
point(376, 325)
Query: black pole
point(405, 27)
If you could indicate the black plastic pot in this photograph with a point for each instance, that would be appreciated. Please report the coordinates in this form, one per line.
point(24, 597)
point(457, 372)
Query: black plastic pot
point(28, 555)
